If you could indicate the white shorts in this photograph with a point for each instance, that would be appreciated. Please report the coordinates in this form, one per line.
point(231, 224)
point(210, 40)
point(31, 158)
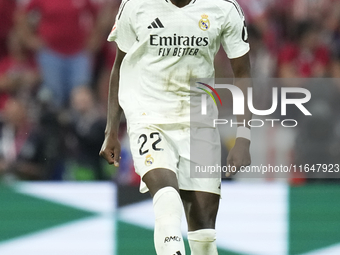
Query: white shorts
point(168, 146)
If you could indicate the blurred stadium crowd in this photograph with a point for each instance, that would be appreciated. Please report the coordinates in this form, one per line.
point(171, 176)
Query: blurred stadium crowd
point(54, 73)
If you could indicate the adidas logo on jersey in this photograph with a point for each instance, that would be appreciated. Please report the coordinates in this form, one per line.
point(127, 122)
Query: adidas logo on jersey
point(156, 24)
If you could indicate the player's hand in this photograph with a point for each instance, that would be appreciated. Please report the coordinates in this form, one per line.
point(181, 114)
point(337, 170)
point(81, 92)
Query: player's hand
point(238, 156)
point(110, 150)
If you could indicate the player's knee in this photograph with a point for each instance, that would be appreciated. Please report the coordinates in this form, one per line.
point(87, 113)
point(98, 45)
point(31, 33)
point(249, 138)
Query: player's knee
point(204, 220)
point(160, 178)
point(167, 202)
point(202, 235)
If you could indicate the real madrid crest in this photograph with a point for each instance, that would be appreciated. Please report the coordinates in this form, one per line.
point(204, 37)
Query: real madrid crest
point(148, 160)
point(204, 23)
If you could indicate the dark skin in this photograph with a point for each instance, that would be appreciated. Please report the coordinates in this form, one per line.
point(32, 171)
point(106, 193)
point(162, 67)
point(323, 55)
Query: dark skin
point(111, 147)
point(239, 155)
point(180, 3)
point(200, 207)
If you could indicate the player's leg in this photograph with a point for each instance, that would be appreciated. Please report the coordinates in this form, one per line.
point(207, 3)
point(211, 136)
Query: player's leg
point(156, 161)
point(163, 186)
point(201, 211)
point(200, 192)
point(159, 178)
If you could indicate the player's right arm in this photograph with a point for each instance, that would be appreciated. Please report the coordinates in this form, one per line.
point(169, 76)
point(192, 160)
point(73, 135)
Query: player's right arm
point(111, 147)
point(123, 34)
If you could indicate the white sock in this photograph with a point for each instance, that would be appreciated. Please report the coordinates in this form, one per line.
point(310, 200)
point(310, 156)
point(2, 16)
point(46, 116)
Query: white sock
point(168, 213)
point(202, 242)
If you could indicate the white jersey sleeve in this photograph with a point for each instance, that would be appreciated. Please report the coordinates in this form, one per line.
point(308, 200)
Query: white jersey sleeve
point(123, 32)
point(235, 35)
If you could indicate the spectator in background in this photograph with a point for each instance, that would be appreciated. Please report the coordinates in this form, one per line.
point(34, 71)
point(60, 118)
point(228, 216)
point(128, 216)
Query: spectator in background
point(106, 53)
point(7, 9)
point(109, 51)
point(62, 38)
point(88, 126)
point(262, 61)
point(305, 58)
point(332, 27)
point(21, 153)
point(307, 10)
point(19, 74)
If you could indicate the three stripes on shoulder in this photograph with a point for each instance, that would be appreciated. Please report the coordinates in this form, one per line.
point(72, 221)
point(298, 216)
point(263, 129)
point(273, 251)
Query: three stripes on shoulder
point(156, 24)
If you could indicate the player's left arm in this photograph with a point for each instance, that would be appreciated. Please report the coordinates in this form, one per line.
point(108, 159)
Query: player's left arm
point(239, 155)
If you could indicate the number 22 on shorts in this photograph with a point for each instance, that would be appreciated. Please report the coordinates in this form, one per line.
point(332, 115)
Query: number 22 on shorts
point(143, 138)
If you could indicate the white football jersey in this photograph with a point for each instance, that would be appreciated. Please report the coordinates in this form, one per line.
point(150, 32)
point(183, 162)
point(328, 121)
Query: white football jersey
point(167, 46)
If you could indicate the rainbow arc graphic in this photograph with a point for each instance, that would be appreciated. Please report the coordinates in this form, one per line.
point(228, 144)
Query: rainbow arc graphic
point(209, 93)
